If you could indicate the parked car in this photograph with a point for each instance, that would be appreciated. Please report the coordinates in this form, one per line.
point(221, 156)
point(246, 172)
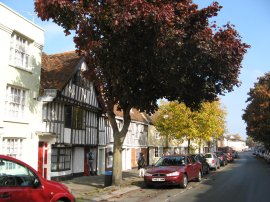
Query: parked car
point(235, 154)
point(212, 160)
point(20, 182)
point(222, 158)
point(173, 170)
point(228, 151)
point(202, 160)
point(260, 152)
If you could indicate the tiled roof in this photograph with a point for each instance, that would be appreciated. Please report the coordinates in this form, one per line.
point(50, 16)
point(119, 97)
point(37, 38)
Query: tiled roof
point(135, 115)
point(57, 69)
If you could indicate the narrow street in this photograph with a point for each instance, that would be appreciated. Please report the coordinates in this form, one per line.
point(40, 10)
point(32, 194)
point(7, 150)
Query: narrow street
point(245, 180)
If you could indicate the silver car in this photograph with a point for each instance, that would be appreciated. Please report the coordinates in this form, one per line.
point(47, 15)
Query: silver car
point(212, 160)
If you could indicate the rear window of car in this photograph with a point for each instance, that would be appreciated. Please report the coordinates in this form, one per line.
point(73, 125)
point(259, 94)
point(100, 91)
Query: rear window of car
point(208, 156)
point(171, 161)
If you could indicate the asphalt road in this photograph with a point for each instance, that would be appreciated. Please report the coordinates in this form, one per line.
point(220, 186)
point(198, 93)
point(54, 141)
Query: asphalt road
point(245, 180)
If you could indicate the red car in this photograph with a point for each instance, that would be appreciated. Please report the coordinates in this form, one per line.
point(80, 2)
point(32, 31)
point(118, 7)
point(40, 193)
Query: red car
point(174, 170)
point(228, 151)
point(20, 182)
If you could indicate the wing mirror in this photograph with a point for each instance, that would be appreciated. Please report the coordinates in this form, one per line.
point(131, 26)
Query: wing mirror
point(2, 163)
point(36, 183)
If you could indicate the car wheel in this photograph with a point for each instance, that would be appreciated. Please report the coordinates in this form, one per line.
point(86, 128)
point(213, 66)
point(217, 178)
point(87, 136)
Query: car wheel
point(199, 176)
point(61, 200)
point(184, 182)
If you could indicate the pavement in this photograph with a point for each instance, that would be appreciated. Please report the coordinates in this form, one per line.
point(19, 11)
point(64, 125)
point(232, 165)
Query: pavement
point(92, 188)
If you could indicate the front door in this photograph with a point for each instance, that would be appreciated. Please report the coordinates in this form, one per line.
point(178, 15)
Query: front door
point(42, 159)
point(86, 167)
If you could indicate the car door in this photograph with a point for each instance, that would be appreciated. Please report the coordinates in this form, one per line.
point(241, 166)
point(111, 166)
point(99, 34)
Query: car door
point(18, 183)
point(196, 166)
point(190, 168)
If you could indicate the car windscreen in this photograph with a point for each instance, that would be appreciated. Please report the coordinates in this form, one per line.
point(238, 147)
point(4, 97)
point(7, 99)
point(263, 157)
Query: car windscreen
point(219, 153)
point(223, 149)
point(171, 161)
point(208, 156)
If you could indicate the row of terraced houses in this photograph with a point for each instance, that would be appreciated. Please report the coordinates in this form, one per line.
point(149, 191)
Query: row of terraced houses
point(50, 116)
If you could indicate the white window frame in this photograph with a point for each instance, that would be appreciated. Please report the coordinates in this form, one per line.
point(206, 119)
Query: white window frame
point(137, 132)
point(13, 147)
point(157, 135)
point(15, 102)
point(19, 52)
point(158, 151)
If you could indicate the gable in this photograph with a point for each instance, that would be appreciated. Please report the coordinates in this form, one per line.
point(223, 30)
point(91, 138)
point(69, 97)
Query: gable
point(57, 70)
point(63, 73)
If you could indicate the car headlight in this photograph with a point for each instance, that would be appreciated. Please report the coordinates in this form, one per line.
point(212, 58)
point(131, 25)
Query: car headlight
point(176, 173)
point(147, 174)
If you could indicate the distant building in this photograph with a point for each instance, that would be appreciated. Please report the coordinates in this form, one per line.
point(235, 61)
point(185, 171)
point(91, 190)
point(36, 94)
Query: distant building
point(233, 141)
point(135, 140)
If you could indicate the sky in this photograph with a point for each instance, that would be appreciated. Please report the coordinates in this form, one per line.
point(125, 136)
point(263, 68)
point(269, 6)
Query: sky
point(251, 19)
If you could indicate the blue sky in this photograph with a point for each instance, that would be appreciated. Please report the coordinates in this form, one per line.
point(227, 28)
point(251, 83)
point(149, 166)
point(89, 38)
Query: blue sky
point(251, 18)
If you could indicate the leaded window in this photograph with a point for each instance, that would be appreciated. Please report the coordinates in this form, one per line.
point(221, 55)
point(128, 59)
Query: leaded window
point(61, 159)
point(74, 117)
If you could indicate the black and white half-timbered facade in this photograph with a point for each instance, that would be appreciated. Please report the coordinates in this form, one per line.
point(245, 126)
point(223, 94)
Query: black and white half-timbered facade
point(72, 124)
point(135, 141)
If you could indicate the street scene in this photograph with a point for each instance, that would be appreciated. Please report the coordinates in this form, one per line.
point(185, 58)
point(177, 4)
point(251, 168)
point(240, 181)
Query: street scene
point(246, 179)
point(134, 100)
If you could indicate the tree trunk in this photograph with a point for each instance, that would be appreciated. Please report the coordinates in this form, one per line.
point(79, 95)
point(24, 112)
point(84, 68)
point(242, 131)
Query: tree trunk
point(119, 137)
point(200, 145)
point(188, 146)
point(117, 162)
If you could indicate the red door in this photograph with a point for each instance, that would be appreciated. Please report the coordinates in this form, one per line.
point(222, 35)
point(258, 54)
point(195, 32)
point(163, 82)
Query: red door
point(42, 159)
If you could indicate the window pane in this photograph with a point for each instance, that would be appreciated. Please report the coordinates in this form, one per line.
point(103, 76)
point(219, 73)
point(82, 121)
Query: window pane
point(15, 102)
point(68, 116)
point(61, 159)
point(19, 55)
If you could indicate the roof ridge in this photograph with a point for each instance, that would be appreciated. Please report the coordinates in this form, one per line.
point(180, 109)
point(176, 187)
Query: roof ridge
point(63, 53)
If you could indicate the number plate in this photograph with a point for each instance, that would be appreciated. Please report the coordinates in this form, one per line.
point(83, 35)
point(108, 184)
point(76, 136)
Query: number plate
point(158, 179)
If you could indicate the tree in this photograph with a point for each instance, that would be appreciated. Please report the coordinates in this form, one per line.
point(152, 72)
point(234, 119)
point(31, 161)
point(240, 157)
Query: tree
point(250, 142)
point(175, 121)
point(139, 51)
point(210, 121)
point(257, 113)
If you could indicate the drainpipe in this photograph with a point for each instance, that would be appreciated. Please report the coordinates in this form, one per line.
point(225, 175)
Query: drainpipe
point(98, 117)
